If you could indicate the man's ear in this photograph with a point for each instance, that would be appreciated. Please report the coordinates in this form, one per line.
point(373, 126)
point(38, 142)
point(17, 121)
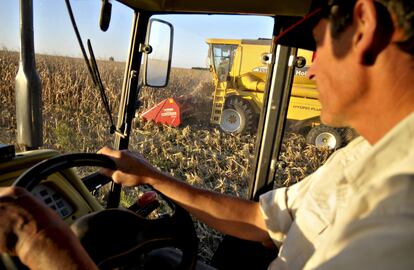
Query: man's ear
point(371, 36)
point(365, 21)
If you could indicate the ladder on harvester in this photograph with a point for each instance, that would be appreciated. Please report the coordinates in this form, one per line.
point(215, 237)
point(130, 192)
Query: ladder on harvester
point(218, 105)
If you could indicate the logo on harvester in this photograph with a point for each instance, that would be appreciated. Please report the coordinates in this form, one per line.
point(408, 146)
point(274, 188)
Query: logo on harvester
point(303, 72)
point(166, 112)
point(260, 69)
point(169, 112)
point(307, 108)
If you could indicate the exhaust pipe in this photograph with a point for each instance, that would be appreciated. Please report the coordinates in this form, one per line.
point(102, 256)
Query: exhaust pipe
point(28, 86)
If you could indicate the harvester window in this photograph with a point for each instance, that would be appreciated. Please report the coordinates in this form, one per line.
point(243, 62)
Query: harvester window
point(190, 143)
point(223, 56)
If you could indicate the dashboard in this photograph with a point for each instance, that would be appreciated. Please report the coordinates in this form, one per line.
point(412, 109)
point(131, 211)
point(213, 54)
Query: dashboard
point(64, 192)
point(54, 200)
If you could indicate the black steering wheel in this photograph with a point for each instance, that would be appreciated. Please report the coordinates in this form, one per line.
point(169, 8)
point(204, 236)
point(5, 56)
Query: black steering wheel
point(116, 237)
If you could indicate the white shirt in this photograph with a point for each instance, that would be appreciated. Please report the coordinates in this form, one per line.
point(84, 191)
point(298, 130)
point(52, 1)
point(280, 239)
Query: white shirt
point(356, 211)
point(298, 217)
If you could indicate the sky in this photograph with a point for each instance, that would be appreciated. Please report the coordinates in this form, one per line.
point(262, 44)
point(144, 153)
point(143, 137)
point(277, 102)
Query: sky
point(54, 33)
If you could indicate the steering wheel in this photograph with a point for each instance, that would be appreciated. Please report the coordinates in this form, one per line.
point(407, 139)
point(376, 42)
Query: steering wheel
point(115, 237)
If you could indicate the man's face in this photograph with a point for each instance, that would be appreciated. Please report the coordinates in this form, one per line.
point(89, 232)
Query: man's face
point(339, 82)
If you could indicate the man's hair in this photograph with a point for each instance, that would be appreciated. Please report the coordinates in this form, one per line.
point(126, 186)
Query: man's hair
point(404, 13)
point(341, 15)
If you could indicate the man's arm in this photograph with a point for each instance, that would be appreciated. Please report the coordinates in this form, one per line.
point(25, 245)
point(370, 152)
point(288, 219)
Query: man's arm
point(233, 216)
point(37, 235)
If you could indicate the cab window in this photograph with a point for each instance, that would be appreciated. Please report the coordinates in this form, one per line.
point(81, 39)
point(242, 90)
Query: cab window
point(210, 138)
point(223, 57)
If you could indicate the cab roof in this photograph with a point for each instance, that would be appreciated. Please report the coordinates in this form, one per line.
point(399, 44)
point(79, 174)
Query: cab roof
point(296, 23)
point(261, 41)
point(257, 7)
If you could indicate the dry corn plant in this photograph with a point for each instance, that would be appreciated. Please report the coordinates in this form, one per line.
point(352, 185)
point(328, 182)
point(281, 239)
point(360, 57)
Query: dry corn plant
point(73, 116)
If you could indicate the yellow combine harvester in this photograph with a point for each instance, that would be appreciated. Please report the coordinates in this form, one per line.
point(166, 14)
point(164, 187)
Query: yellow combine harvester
point(239, 69)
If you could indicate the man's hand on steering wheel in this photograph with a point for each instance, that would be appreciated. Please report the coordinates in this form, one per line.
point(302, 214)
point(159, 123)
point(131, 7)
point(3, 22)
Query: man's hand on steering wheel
point(132, 168)
point(36, 234)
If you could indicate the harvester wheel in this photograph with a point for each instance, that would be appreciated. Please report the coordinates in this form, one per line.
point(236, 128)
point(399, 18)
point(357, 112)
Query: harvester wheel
point(238, 116)
point(349, 134)
point(324, 136)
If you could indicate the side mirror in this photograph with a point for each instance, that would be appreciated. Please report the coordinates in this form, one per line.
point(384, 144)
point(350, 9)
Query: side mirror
point(157, 58)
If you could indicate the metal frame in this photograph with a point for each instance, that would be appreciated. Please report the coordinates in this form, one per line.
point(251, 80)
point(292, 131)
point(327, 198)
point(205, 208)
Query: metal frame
point(130, 91)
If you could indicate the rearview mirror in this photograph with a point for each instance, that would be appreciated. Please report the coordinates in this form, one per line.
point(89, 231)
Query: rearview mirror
point(157, 59)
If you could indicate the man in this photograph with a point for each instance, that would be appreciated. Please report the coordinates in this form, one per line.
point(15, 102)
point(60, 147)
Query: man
point(356, 211)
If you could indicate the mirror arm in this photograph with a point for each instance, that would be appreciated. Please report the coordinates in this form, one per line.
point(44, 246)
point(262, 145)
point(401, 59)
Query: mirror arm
point(145, 48)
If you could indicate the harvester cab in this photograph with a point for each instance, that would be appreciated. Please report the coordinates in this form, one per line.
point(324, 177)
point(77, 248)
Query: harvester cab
point(65, 104)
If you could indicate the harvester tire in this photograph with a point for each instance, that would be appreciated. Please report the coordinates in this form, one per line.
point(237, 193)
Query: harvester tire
point(348, 134)
point(238, 117)
point(324, 136)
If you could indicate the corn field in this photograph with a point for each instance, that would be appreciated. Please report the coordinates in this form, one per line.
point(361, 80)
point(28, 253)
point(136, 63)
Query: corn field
point(75, 121)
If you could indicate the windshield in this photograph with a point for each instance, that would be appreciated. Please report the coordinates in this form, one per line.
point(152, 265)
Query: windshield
point(195, 144)
point(215, 97)
point(74, 118)
point(223, 57)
